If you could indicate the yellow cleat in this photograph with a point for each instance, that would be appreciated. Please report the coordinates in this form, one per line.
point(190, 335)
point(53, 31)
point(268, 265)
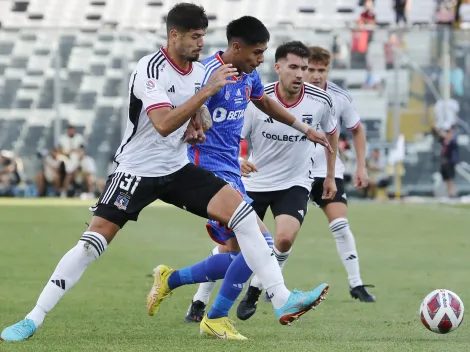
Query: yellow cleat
point(221, 328)
point(160, 289)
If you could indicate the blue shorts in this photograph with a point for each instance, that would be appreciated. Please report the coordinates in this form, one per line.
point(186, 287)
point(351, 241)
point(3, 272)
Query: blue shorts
point(217, 231)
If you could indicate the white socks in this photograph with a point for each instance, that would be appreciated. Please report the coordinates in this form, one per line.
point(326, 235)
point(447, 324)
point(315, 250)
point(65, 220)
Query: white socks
point(346, 246)
point(281, 259)
point(205, 289)
point(67, 273)
point(258, 254)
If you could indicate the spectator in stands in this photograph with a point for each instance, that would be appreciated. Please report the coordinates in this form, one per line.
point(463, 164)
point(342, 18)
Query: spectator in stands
point(376, 169)
point(446, 115)
point(371, 81)
point(401, 8)
point(50, 174)
point(463, 14)
point(456, 78)
point(391, 47)
point(9, 173)
point(359, 47)
point(449, 158)
point(445, 11)
point(367, 17)
point(81, 175)
point(339, 52)
point(70, 142)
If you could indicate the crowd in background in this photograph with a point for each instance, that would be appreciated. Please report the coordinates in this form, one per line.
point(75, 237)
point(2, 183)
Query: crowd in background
point(66, 171)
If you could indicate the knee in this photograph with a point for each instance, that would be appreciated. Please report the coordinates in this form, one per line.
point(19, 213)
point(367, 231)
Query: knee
point(284, 241)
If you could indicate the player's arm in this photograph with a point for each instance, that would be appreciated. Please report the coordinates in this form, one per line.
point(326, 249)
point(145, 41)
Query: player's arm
point(167, 120)
point(353, 122)
point(273, 109)
point(329, 124)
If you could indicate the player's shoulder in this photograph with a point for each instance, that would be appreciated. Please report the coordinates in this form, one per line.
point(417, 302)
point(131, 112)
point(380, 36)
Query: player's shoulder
point(318, 94)
point(151, 65)
point(270, 88)
point(339, 92)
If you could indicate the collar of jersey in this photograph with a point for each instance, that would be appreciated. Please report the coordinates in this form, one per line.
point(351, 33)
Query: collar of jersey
point(174, 65)
point(302, 93)
point(218, 56)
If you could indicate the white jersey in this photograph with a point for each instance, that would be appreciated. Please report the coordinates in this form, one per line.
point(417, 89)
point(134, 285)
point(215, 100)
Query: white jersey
point(346, 113)
point(157, 82)
point(283, 155)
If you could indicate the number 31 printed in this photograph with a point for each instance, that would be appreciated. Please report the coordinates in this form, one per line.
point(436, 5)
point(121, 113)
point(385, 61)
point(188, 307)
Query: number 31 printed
point(130, 182)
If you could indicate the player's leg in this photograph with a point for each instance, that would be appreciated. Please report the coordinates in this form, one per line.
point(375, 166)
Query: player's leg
point(201, 298)
point(336, 213)
point(206, 195)
point(197, 308)
point(289, 209)
point(124, 196)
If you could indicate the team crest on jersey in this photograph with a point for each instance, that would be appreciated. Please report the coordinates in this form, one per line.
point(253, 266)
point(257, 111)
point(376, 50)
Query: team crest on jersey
point(227, 95)
point(307, 119)
point(197, 87)
point(121, 201)
point(247, 93)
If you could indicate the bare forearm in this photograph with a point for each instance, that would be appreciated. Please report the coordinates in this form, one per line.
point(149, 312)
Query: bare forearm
point(174, 119)
point(359, 140)
point(331, 157)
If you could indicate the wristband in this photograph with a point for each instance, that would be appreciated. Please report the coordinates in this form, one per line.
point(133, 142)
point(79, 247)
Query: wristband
point(300, 126)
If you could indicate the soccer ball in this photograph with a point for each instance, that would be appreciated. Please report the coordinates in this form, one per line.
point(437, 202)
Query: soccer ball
point(441, 311)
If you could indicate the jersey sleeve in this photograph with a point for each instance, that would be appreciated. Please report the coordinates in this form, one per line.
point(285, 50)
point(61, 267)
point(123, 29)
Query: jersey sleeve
point(329, 121)
point(257, 90)
point(248, 121)
point(151, 91)
point(350, 116)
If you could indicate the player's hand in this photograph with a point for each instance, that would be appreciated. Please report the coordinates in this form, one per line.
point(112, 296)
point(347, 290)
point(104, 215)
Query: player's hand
point(194, 133)
point(203, 118)
point(361, 178)
point(318, 137)
point(247, 167)
point(219, 78)
point(329, 188)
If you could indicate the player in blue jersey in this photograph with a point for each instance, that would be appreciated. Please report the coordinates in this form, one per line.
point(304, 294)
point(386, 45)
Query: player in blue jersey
point(247, 39)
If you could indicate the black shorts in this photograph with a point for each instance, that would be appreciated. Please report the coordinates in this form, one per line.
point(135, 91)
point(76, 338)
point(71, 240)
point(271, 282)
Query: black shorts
point(317, 191)
point(448, 172)
point(124, 196)
point(292, 201)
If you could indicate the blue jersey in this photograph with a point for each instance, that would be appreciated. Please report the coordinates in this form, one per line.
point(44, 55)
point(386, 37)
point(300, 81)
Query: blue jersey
point(220, 151)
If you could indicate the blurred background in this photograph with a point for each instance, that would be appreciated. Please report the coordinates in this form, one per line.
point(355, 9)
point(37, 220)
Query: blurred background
point(65, 66)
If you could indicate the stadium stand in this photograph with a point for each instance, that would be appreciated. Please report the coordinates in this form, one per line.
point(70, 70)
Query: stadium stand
point(99, 41)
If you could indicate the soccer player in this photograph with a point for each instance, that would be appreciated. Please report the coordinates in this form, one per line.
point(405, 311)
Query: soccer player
point(335, 209)
point(247, 39)
point(281, 157)
point(164, 94)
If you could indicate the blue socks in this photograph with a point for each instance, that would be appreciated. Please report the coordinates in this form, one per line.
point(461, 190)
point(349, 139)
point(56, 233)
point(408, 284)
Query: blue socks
point(237, 274)
point(210, 269)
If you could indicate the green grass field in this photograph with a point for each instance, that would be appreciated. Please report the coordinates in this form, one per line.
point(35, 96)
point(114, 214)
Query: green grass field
point(405, 250)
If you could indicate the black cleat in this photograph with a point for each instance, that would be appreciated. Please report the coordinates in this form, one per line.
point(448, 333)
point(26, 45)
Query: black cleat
point(195, 312)
point(247, 306)
point(361, 293)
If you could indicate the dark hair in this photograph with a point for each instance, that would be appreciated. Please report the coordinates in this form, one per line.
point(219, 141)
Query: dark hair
point(185, 16)
point(295, 47)
point(247, 29)
point(319, 55)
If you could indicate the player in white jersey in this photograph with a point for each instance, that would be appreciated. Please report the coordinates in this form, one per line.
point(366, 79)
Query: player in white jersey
point(336, 209)
point(165, 93)
point(283, 157)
